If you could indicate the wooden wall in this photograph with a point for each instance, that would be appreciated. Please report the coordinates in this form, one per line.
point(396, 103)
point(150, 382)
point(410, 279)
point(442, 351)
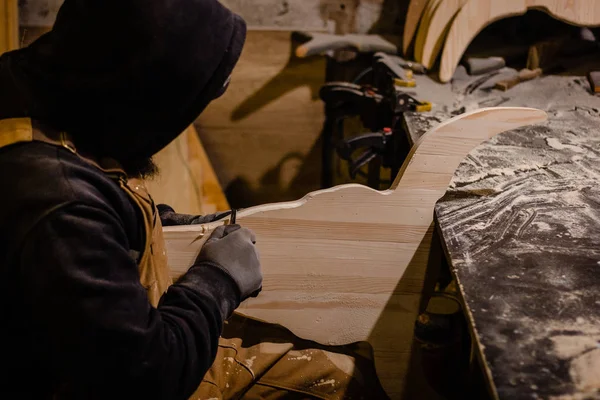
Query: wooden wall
point(262, 136)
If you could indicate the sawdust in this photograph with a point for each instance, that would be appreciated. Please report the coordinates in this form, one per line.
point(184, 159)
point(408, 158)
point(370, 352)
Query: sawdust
point(585, 371)
point(303, 357)
point(556, 144)
point(583, 355)
point(568, 346)
point(250, 361)
point(323, 382)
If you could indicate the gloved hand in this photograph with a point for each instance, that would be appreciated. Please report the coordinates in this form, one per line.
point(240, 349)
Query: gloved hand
point(169, 217)
point(232, 249)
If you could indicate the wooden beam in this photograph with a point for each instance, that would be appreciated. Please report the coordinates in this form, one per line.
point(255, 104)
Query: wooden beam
point(9, 25)
point(347, 264)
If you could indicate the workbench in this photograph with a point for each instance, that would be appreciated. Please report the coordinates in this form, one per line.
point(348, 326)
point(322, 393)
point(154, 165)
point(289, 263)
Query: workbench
point(520, 227)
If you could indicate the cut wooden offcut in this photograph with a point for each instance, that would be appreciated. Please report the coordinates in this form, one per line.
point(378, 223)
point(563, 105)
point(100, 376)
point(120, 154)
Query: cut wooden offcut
point(477, 14)
point(347, 264)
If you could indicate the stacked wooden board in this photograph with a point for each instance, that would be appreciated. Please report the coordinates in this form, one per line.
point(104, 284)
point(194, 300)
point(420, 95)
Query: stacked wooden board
point(444, 28)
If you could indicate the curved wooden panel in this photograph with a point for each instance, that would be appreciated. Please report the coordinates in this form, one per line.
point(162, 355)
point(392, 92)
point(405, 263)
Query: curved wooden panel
point(575, 12)
point(347, 264)
point(437, 30)
point(477, 14)
point(424, 27)
point(470, 20)
point(413, 16)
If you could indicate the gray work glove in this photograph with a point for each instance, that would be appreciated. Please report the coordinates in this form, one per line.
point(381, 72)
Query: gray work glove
point(169, 217)
point(232, 249)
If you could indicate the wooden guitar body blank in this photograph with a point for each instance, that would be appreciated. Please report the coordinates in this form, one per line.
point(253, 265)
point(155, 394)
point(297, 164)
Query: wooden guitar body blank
point(477, 14)
point(347, 264)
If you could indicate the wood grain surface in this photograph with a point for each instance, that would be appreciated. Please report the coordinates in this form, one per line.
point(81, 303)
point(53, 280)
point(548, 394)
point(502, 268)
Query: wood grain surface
point(470, 20)
point(477, 14)
point(424, 24)
point(437, 30)
point(413, 17)
point(347, 264)
point(576, 12)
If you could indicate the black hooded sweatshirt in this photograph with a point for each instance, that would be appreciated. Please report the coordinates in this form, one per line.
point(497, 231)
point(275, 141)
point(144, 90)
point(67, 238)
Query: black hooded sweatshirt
point(124, 77)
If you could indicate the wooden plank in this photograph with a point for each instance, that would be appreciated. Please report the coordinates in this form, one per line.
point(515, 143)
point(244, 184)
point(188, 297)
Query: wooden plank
point(413, 16)
point(477, 14)
point(9, 25)
point(424, 24)
point(337, 289)
point(437, 30)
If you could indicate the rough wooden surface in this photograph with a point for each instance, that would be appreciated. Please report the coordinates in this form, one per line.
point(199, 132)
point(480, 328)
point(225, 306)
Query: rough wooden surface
point(348, 264)
point(521, 223)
